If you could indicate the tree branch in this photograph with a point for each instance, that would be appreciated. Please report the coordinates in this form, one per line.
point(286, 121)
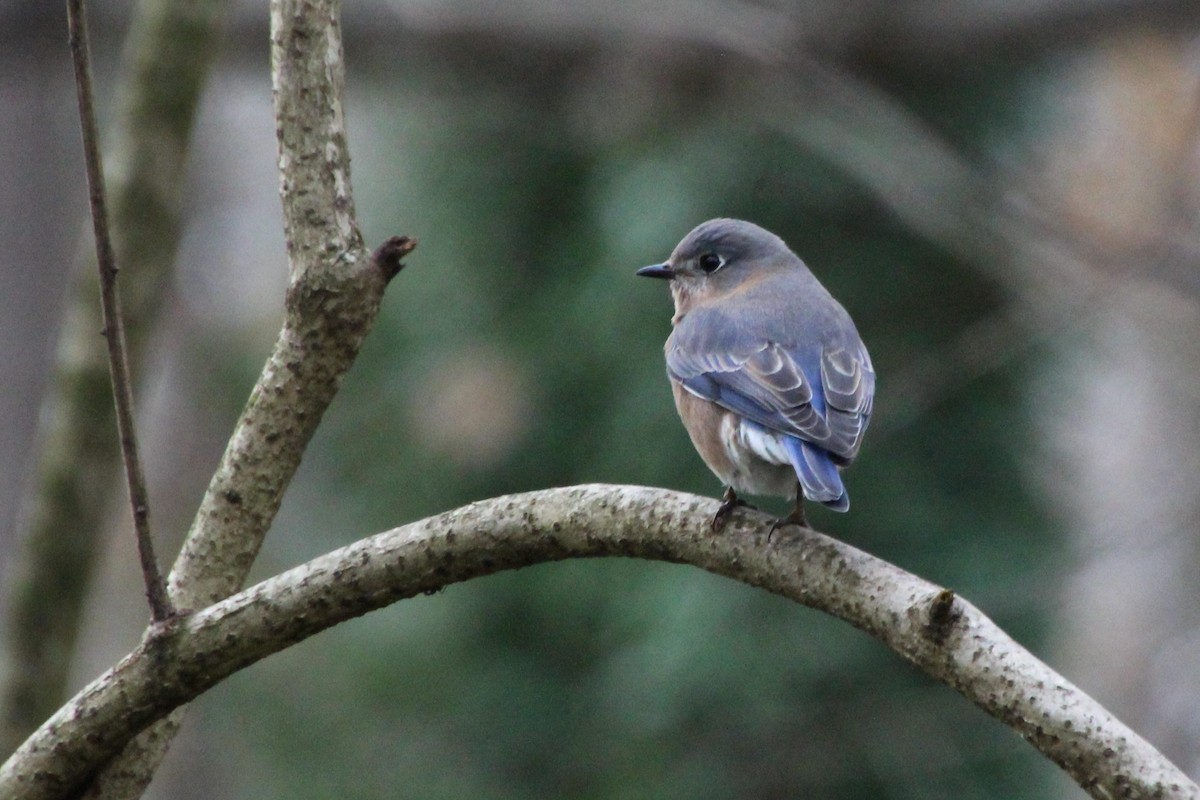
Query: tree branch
point(320, 338)
point(168, 52)
point(110, 303)
point(333, 298)
point(942, 634)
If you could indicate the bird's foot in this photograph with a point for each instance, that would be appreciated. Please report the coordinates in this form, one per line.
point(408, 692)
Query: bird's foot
point(797, 518)
point(729, 502)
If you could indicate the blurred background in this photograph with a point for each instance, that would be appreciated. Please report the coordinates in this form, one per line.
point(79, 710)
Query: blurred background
point(1003, 195)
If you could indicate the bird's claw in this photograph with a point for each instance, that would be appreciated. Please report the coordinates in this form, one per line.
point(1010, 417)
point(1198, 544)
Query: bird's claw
point(797, 518)
point(729, 502)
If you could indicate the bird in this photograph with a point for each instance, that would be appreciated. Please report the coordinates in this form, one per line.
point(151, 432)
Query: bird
point(769, 374)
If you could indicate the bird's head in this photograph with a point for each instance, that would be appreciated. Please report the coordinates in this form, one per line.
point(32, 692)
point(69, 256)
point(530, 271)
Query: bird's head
point(719, 257)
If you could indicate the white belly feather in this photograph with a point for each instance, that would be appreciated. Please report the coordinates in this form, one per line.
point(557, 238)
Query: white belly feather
point(760, 462)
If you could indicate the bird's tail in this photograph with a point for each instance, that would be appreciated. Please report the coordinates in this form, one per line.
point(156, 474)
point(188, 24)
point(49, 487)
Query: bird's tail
point(819, 476)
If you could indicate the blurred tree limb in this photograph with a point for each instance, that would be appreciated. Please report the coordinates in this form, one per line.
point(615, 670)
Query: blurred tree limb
point(944, 635)
point(169, 50)
point(1055, 278)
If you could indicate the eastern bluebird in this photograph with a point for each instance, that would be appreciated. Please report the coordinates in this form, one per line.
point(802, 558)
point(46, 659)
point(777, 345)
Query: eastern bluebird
point(769, 374)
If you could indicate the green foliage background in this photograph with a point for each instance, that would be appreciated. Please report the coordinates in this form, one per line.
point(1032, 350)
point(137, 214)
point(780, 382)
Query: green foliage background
point(518, 351)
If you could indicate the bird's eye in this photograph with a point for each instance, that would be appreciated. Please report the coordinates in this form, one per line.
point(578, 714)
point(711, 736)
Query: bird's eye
point(711, 262)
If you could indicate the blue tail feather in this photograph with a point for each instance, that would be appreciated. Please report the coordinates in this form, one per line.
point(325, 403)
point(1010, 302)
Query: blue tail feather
point(818, 475)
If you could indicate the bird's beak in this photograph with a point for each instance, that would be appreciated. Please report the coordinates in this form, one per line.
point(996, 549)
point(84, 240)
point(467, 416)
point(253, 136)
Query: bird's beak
point(657, 271)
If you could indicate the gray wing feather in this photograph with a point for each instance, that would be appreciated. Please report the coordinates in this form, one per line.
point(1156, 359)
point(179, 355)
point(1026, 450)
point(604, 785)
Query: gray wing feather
point(820, 393)
point(849, 382)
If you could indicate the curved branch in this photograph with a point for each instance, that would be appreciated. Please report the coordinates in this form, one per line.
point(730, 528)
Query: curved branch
point(945, 636)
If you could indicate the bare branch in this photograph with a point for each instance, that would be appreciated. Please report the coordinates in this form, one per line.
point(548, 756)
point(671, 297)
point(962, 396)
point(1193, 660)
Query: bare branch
point(168, 51)
point(333, 298)
point(114, 326)
point(316, 346)
point(930, 626)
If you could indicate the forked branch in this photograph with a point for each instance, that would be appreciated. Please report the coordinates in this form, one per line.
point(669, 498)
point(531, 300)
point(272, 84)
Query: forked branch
point(335, 289)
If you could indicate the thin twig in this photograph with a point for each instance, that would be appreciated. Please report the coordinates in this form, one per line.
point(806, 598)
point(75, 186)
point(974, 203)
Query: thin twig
point(110, 300)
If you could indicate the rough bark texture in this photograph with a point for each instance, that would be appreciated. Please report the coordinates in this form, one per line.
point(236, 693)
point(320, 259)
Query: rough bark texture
point(926, 624)
point(333, 299)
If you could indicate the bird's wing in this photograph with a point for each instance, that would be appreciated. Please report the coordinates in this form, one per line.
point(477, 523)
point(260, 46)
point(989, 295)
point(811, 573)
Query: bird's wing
point(848, 379)
point(821, 392)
